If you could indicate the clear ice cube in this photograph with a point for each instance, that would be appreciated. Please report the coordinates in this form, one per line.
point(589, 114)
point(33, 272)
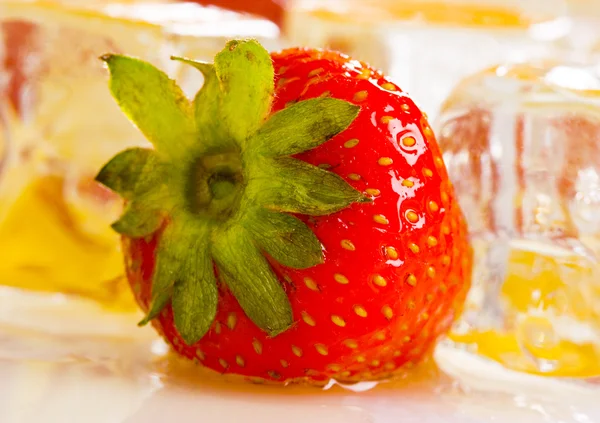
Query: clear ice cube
point(522, 146)
point(59, 124)
point(427, 46)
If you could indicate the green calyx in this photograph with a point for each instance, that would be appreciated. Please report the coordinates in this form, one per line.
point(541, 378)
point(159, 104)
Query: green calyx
point(222, 185)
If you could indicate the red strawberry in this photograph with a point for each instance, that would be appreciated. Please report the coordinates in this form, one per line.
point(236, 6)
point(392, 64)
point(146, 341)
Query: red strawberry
point(372, 269)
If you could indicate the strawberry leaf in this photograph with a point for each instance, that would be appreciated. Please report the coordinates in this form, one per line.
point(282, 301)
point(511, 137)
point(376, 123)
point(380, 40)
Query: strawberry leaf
point(137, 221)
point(207, 108)
point(303, 126)
point(294, 186)
point(248, 275)
point(132, 172)
point(169, 261)
point(195, 293)
point(246, 75)
point(140, 177)
point(285, 238)
point(153, 102)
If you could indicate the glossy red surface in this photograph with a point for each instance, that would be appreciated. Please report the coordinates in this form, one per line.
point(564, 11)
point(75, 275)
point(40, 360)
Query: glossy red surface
point(390, 285)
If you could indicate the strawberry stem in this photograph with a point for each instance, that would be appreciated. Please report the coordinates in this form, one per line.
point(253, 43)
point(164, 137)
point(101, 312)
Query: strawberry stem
point(215, 185)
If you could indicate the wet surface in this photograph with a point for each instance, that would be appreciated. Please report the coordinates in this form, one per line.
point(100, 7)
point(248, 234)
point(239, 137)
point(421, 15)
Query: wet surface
point(103, 369)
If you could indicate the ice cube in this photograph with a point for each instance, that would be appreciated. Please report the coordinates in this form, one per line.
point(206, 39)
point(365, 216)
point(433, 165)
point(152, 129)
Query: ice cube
point(522, 146)
point(429, 45)
point(65, 84)
point(59, 124)
point(584, 37)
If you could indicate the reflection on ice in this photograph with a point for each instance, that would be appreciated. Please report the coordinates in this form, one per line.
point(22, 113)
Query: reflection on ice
point(521, 146)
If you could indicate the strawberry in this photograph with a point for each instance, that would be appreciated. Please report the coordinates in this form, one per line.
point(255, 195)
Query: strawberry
point(294, 222)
